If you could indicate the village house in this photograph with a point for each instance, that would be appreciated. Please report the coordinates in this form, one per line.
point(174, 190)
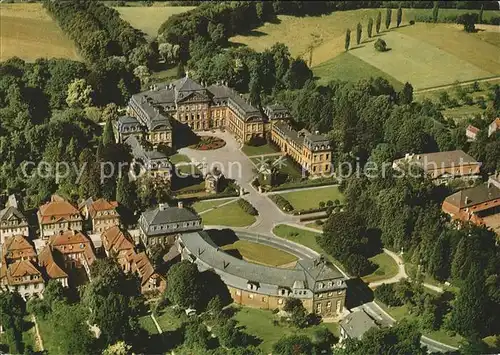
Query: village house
point(12, 222)
point(116, 244)
point(479, 204)
point(321, 289)
point(163, 224)
point(19, 271)
point(76, 249)
point(494, 126)
point(53, 263)
point(441, 166)
point(471, 133)
point(101, 213)
point(56, 216)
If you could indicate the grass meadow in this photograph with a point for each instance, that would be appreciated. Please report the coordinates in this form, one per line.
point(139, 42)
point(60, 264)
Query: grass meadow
point(424, 54)
point(149, 19)
point(28, 32)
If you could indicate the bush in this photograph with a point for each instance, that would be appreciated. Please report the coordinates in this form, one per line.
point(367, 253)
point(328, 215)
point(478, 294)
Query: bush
point(282, 203)
point(412, 22)
point(247, 207)
point(322, 204)
point(380, 45)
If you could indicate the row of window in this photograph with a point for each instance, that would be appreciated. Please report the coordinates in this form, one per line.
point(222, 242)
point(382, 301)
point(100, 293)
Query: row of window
point(174, 226)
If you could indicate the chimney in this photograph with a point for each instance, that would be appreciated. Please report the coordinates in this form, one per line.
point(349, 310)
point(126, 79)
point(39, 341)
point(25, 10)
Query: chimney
point(180, 204)
point(162, 206)
point(467, 200)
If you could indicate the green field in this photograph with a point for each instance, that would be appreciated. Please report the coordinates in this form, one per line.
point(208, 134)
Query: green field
point(147, 323)
point(149, 19)
point(230, 215)
point(28, 32)
point(411, 59)
point(310, 198)
point(259, 323)
point(350, 68)
point(259, 253)
point(387, 268)
point(425, 54)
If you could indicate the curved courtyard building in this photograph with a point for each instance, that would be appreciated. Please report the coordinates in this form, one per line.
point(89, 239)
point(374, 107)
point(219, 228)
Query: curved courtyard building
point(321, 288)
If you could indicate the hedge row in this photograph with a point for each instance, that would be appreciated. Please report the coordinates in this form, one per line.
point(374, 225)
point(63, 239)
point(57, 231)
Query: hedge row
point(305, 183)
point(247, 207)
point(281, 202)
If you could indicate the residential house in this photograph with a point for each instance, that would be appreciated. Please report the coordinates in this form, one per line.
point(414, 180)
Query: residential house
point(58, 215)
point(102, 214)
point(442, 166)
point(494, 126)
point(12, 222)
point(76, 249)
point(120, 246)
point(53, 263)
point(19, 270)
point(355, 325)
point(163, 224)
point(479, 204)
point(471, 133)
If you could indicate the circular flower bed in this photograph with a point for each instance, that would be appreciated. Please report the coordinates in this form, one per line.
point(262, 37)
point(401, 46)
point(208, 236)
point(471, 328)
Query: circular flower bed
point(208, 143)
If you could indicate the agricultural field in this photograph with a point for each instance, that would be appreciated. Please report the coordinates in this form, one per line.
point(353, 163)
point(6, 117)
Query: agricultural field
point(27, 32)
point(462, 56)
point(149, 19)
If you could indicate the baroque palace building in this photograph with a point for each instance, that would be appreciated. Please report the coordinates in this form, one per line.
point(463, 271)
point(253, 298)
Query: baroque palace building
point(151, 115)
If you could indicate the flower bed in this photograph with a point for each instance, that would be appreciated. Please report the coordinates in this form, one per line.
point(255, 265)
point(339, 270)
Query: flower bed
point(208, 143)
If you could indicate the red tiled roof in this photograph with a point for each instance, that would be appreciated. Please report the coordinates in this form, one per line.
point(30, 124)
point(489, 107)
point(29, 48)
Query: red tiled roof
point(18, 243)
point(46, 259)
point(114, 238)
point(102, 205)
point(77, 242)
point(56, 211)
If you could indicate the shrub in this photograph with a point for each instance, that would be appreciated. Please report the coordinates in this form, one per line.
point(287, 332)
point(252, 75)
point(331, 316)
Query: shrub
point(380, 45)
point(247, 207)
point(322, 204)
point(412, 22)
point(282, 203)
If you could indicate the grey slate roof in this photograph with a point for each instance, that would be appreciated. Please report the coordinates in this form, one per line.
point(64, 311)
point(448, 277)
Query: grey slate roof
point(8, 212)
point(474, 196)
point(166, 215)
point(303, 137)
point(139, 152)
point(238, 273)
point(356, 324)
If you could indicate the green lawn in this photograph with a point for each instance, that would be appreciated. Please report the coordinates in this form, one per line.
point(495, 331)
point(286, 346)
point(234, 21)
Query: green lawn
point(230, 215)
point(259, 323)
point(348, 67)
point(259, 253)
point(387, 268)
point(314, 225)
point(170, 320)
point(188, 169)
point(310, 198)
point(149, 19)
point(201, 206)
point(402, 312)
point(259, 150)
point(147, 323)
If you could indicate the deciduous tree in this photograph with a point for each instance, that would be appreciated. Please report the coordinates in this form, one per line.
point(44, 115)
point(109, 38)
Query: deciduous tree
point(347, 39)
point(359, 31)
point(388, 18)
point(399, 16)
point(369, 27)
point(378, 22)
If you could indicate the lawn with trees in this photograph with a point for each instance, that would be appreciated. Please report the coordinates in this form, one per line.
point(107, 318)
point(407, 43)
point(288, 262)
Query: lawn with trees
point(311, 198)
